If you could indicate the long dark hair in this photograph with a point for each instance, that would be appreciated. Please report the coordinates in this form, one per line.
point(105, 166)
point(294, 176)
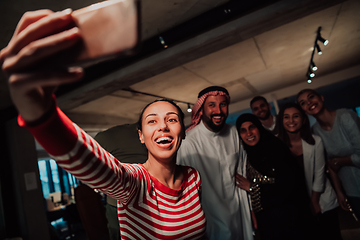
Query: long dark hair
point(180, 112)
point(305, 130)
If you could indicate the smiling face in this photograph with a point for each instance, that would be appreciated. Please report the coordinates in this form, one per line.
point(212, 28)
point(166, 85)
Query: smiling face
point(311, 102)
point(249, 133)
point(292, 120)
point(161, 130)
point(261, 109)
point(215, 112)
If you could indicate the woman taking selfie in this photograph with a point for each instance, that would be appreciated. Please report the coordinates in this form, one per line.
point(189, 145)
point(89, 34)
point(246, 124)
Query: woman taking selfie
point(295, 132)
point(340, 133)
point(274, 183)
point(157, 199)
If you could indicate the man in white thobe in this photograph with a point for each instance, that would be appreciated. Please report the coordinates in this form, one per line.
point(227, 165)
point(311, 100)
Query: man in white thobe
point(212, 147)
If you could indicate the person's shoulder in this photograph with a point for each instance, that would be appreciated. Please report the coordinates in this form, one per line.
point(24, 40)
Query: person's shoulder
point(132, 165)
point(316, 138)
point(318, 141)
point(346, 113)
point(191, 172)
point(349, 124)
point(136, 168)
point(347, 118)
point(190, 144)
point(193, 134)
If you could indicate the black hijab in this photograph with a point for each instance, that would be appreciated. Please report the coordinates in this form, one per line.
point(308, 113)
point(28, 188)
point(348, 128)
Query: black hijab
point(269, 152)
point(272, 158)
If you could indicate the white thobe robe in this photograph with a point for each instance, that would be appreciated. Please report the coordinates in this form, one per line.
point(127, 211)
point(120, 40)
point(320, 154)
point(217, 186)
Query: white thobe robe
point(217, 157)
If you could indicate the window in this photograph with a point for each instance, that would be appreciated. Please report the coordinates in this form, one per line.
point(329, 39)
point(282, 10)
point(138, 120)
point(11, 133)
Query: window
point(55, 179)
point(55, 176)
point(44, 178)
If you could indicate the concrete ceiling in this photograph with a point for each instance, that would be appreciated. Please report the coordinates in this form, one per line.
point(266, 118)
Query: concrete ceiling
point(264, 51)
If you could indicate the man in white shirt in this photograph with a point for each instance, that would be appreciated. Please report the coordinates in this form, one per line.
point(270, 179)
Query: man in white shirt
point(261, 109)
point(213, 148)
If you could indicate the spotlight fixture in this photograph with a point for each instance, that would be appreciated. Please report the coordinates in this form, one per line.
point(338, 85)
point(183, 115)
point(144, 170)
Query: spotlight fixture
point(318, 49)
point(189, 108)
point(308, 77)
point(321, 39)
point(312, 67)
point(162, 41)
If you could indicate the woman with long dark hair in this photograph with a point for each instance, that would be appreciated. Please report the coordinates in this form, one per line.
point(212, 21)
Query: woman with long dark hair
point(295, 132)
point(274, 183)
point(340, 133)
point(156, 200)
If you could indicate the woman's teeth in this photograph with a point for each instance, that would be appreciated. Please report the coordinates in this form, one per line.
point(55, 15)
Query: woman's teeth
point(164, 140)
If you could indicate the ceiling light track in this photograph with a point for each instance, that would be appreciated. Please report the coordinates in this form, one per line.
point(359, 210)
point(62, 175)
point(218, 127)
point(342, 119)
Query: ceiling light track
point(312, 67)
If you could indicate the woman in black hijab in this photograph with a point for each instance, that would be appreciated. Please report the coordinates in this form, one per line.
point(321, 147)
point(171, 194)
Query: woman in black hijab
point(274, 181)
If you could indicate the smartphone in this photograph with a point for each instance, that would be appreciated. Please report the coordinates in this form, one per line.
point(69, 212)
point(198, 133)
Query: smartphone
point(109, 29)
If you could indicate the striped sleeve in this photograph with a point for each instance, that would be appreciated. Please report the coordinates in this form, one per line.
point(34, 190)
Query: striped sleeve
point(79, 154)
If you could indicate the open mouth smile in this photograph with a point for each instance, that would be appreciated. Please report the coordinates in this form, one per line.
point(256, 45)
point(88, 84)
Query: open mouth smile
point(217, 119)
point(312, 107)
point(164, 141)
point(250, 139)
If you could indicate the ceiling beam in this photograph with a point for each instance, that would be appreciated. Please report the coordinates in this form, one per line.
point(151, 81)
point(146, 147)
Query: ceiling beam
point(245, 27)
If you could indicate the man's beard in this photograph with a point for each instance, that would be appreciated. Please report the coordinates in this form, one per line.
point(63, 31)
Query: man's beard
point(208, 121)
point(266, 116)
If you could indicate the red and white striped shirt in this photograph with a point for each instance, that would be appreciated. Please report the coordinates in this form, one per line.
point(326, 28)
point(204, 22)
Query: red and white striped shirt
point(147, 209)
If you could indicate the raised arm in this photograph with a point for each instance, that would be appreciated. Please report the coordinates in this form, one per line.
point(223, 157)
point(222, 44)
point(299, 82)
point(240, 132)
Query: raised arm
point(76, 152)
point(32, 93)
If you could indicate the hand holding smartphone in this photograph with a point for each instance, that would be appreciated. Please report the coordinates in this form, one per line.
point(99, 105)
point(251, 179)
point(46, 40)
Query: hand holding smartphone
point(102, 31)
point(47, 47)
point(109, 29)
